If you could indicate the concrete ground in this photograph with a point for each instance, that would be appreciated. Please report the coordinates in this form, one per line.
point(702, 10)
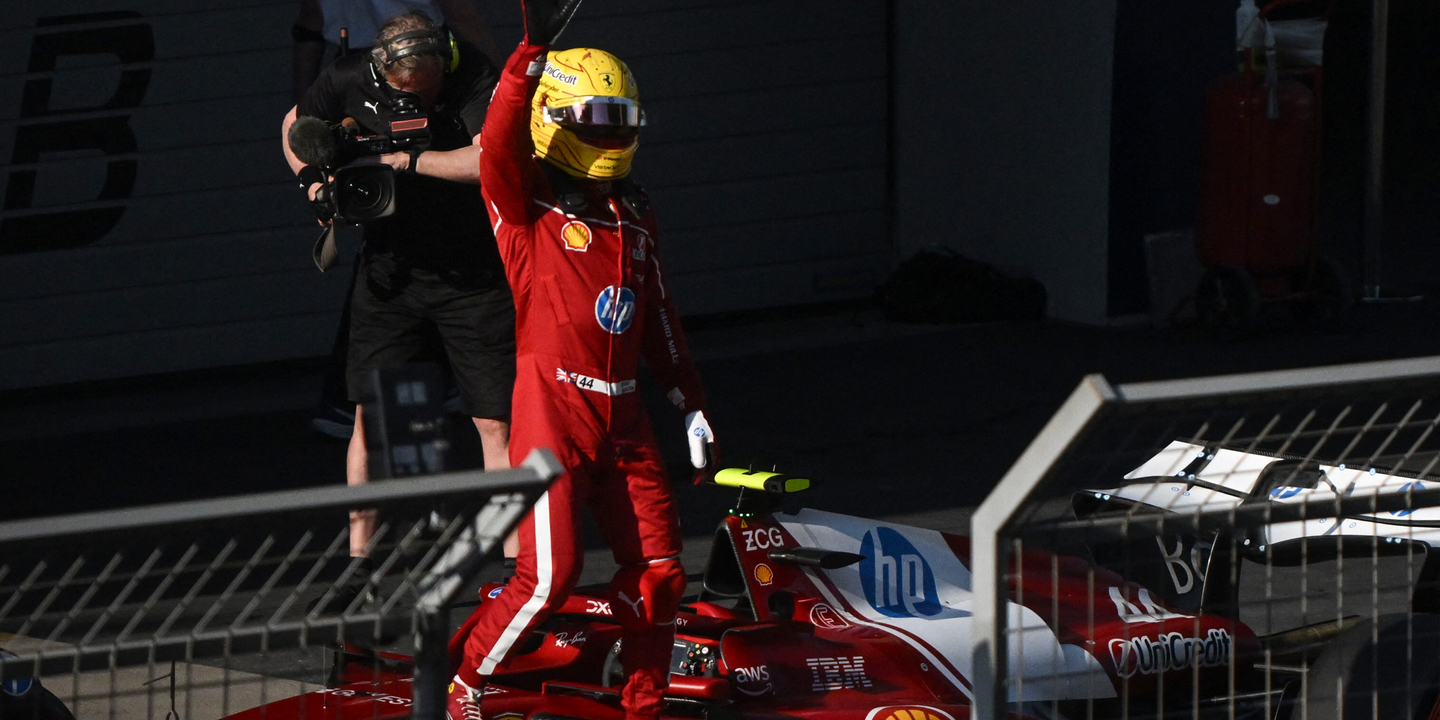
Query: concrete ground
point(905, 422)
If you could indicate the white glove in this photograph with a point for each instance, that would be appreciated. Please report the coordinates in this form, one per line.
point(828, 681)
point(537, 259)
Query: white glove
point(701, 437)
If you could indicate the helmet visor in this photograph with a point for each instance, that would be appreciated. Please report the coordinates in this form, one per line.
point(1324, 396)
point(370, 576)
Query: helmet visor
point(598, 111)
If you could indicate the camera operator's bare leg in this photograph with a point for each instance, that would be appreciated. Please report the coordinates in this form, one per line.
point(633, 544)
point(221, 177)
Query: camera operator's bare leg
point(362, 522)
point(495, 442)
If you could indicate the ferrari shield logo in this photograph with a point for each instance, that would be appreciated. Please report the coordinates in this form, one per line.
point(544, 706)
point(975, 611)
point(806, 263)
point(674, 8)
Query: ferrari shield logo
point(576, 235)
point(608, 80)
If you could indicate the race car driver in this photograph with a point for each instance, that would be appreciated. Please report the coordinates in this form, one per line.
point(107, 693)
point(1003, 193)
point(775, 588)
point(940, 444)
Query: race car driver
point(579, 244)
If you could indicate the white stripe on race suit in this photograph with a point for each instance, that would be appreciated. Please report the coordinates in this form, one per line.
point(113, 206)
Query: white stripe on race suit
point(498, 221)
point(585, 382)
point(544, 576)
point(658, 280)
point(597, 221)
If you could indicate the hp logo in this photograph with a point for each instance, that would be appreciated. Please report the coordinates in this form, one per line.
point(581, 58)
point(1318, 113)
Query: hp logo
point(896, 579)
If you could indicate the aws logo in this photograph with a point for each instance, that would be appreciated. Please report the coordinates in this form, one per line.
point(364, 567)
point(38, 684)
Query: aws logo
point(895, 577)
point(751, 676)
point(759, 673)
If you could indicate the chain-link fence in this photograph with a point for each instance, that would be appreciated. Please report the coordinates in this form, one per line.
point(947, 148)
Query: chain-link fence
point(205, 609)
point(1252, 546)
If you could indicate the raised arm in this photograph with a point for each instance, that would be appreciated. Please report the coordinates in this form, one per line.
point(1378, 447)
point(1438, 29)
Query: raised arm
point(508, 174)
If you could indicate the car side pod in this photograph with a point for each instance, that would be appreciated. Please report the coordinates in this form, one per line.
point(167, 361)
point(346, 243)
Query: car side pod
point(815, 557)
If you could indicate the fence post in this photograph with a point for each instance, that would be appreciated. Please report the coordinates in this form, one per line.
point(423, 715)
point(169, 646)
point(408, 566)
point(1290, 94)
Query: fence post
point(989, 556)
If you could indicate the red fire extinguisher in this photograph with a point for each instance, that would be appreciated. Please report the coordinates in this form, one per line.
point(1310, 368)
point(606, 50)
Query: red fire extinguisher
point(1259, 190)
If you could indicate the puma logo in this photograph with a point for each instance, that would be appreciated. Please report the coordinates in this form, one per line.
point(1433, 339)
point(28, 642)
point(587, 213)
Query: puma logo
point(634, 604)
point(374, 107)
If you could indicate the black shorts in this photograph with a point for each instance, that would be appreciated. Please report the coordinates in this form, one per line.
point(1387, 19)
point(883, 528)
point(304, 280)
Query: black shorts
point(391, 311)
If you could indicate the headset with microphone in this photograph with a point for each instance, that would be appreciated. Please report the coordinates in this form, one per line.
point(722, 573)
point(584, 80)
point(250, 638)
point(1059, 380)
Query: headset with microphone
point(423, 42)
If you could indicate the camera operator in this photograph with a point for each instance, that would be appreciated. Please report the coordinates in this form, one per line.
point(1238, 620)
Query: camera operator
point(318, 26)
point(434, 260)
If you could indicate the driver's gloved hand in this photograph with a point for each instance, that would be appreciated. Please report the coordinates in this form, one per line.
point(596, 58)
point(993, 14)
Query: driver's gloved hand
point(546, 19)
point(704, 453)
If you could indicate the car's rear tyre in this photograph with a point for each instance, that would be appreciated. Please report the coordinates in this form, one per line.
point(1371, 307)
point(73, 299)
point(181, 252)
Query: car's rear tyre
point(1385, 668)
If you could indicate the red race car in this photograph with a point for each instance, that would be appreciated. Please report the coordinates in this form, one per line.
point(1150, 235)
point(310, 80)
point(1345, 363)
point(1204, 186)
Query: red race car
point(830, 617)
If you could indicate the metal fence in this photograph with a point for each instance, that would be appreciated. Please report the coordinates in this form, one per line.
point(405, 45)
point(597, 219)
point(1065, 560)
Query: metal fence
point(1250, 546)
point(204, 609)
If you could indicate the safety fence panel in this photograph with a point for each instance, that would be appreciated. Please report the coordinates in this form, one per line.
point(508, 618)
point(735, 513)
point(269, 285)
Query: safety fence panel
point(1249, 546)
point(208, 609)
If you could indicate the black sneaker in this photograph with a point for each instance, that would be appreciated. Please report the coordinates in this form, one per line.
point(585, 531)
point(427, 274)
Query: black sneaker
point(334, 422)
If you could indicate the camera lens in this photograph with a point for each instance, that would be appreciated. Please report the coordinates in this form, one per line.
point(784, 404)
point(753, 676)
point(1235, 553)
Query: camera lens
point(365, 193)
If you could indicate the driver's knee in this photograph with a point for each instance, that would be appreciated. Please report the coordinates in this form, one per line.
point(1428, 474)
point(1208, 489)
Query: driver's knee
point(647, 595)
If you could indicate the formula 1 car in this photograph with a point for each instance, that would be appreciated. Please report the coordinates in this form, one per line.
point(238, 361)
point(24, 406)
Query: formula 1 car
point(822, 616)
point(1349, 602)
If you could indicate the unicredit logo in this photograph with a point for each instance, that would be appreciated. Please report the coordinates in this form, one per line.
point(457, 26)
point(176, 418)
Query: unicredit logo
point(1171, 651)
point(896, 579)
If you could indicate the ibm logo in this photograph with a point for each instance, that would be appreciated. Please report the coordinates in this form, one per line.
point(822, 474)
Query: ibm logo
point(838, 673)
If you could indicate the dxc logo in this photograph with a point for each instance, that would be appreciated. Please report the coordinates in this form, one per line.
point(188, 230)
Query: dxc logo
point(615, 308)
point(896, 579)
point(51, 125)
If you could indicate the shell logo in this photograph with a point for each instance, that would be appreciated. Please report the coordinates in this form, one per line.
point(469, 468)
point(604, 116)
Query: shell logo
point(908, 712)
point(763, 574)
point(576, 235)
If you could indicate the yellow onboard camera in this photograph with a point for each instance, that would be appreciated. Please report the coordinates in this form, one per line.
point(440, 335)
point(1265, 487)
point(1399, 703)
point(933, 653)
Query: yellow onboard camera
point(770, 482)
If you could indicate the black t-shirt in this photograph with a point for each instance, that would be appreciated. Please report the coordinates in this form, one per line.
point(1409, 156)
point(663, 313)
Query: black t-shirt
point(438, 225)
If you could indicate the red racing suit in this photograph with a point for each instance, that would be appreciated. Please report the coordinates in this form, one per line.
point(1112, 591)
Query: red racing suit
point(590, 300)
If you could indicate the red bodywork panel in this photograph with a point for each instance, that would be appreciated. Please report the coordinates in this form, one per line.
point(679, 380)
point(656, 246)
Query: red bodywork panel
point(814, 663)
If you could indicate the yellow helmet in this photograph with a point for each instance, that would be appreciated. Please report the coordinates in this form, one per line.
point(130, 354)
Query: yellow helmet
point(585, 116)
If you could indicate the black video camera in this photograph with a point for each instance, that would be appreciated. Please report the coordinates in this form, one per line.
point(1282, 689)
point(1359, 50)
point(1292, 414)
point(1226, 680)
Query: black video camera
point(409, 129)
point(363, 190)
point(363, 187)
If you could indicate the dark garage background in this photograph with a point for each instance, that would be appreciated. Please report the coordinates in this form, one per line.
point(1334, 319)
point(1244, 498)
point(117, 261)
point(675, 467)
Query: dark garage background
point(798, 150)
